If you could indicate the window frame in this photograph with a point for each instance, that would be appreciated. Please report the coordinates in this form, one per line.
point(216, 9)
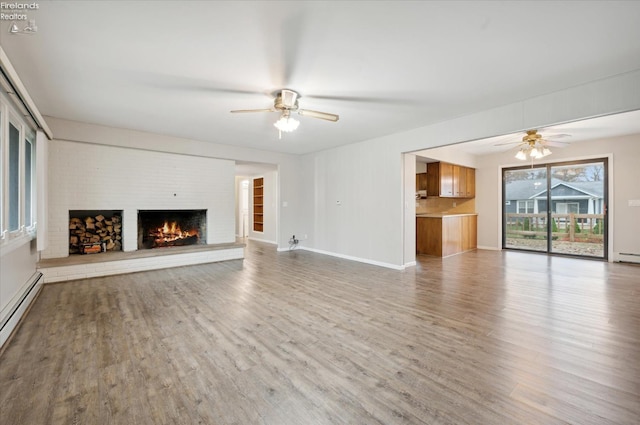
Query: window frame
point(566, 206)
point(12, 233)
point(29, 139)
point(526, 206)
point(10, 116)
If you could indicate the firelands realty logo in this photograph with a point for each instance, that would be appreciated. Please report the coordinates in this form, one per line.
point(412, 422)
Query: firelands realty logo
point(17, 12)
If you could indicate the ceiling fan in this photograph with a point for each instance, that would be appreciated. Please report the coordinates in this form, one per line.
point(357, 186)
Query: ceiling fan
point(534, 146)
point(286, 102)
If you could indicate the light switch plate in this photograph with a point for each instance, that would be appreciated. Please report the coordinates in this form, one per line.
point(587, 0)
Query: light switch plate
point(634, 202)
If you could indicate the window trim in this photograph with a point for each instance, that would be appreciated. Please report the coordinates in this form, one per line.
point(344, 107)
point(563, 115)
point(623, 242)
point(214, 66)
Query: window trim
point(30, 138)
point(526, 206)
point(11, 239)
point(566, 205)
point(13, 120)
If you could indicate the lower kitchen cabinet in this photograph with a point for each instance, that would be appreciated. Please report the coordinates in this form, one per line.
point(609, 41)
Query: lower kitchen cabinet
point(443, 235)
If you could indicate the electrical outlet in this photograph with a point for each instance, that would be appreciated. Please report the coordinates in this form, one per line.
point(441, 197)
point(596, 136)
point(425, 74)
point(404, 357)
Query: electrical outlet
point(455, 204)
point(338, 203)
point(304, 237)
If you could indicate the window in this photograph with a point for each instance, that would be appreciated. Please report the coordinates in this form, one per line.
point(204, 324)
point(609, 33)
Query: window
point(14, 178)
point(17, 179)
point(567, 208)
point(28, 179)
point(525, 207)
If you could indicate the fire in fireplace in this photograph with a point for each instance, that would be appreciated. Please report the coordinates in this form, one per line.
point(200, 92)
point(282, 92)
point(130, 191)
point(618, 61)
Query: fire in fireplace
point(166, 228)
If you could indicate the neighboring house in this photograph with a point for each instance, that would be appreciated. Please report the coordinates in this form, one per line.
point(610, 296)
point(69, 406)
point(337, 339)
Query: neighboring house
point(530, 197)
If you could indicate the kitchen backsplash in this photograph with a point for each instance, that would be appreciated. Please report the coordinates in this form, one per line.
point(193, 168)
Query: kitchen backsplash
point(445, 205)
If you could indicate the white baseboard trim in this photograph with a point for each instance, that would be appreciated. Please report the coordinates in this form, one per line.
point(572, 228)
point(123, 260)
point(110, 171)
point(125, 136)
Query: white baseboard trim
point(16, 308)
point(262, 240)
point(489, 248)
point(287, 249)
point(411, 264)
point(351, 258)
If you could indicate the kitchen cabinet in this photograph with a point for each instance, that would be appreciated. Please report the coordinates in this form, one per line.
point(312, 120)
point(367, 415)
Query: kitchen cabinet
point(471, 182)
point(450, 180)
point(421, 181)
point(442, 235)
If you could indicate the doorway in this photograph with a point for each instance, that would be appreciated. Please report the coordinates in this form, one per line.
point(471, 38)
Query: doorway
point(558, 208)
point(244, 209)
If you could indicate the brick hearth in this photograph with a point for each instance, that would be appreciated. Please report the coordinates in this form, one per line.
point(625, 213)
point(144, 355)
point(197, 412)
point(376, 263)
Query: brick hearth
point(110, 263)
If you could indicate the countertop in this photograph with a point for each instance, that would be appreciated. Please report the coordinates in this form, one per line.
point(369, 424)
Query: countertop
point(442, 215)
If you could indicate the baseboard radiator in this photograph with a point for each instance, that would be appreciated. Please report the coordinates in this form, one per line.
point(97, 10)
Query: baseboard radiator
point(11, 318)
point(628, 257)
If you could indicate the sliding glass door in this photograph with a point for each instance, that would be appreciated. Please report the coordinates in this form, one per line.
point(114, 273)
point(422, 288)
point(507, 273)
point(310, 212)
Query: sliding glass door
point(556, 208)
point(525, 215)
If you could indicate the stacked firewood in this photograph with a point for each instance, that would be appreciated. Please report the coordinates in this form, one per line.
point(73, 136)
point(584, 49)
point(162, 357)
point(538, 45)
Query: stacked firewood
point(97, 230)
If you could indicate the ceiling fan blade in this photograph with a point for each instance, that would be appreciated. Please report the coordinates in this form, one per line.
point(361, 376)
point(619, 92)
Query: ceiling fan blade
point(555, 143)
point(509, 143)
point(556, 136)
point(187, 84)
point(366, 99)
point(317, 114)
point(242, 111)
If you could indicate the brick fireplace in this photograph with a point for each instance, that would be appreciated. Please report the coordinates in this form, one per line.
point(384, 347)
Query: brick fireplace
point(129, 180)
point(133, 180)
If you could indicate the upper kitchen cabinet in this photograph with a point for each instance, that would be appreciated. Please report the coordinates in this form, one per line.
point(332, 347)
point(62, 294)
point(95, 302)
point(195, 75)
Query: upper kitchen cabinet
point(471, 182)
point(421, 181)
point(450, 180)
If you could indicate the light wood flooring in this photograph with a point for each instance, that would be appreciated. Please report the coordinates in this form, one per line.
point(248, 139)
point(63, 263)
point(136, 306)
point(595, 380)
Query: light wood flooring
point(485, 337)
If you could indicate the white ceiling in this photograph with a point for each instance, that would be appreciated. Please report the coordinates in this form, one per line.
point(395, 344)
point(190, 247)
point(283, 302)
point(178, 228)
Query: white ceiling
point(569, 133)
point(177, 68)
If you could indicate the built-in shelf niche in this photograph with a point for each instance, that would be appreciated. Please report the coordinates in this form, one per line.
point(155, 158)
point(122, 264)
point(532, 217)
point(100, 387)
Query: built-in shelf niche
point(258, 204)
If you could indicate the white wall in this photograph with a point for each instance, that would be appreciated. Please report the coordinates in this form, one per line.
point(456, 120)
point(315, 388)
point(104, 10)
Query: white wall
point(354, 198)
point(410, 170)
point(624, 171)
point(368, 177)
point(17, 272)
point(84, 176)
point(287, 188)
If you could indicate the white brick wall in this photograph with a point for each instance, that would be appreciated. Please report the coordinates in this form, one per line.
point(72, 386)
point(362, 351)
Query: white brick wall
point(85, 176)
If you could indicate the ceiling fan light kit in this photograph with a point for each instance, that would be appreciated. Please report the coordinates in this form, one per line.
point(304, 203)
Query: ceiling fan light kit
point(285, 102)
point(286, 123)
point(533, 146)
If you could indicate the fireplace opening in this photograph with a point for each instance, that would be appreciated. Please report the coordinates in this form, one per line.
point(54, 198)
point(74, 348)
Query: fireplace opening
point(167, 228)
point(95, 231)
